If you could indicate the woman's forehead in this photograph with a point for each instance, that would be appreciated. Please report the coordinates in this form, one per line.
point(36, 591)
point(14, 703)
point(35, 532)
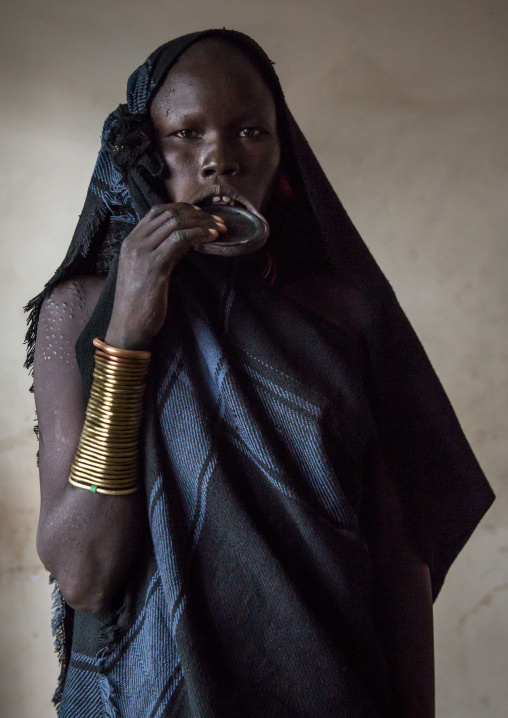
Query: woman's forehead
point(212, 67)
point(214, 50)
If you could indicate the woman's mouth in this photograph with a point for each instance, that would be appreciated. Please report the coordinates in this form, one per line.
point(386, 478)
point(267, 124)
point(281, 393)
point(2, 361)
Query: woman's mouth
point(247, 229)
point(222, 195)
point(224, 200)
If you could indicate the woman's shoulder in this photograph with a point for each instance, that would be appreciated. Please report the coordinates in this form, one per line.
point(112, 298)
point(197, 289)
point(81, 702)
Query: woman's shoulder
point(64, 314)
point(72, 301)
point(82, 289)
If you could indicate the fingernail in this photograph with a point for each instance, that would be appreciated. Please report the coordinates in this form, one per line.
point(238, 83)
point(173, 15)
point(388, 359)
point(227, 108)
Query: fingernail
point(219, 219)
point(196, 206)
point(213, 232)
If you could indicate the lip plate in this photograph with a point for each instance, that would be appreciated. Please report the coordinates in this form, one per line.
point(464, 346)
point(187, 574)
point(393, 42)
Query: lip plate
point(247, 232)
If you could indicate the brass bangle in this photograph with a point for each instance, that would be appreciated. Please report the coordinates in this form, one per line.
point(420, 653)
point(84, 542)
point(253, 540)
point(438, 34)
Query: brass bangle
point(100, 442)
point(96, 440)
point(133, 385)
point(110, 364)
point(91, 476)
point(120, 407)
point(131, 382)
point(97, 460)
point(94, 473)
point(88, 462)
point(101, 445)
point(118, 377)
point(109, 417)
point(99, 343)
point(124, 374)
point(120, 410)
point(106, 482)
point(124, 492)
point(98, 455)
point(120, 362)
point(120, 389)
point(118, 434)
point(99, 490)
point(126, 364)
point(117, 393)
point(106, 469)
point(106, 460)
point(112, 485)
point(128, 430)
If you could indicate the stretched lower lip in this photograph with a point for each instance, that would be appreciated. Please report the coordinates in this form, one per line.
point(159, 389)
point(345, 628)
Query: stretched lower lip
point(246, 232)
point(233, 203)
point(232, 198)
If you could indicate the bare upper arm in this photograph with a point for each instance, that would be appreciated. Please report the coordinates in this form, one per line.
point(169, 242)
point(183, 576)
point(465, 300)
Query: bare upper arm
point(59, 396)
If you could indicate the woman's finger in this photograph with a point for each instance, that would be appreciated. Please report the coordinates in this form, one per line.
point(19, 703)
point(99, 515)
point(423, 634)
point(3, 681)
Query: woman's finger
point(174, 212)
point(173, 235)
point(175, 218)
point(180, 241)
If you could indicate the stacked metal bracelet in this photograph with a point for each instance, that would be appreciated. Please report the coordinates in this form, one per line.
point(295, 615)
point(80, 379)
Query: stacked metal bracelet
point(106, 460)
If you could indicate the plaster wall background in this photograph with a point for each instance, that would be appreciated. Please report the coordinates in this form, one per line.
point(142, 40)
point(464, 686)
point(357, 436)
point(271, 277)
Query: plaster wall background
point(406, 105)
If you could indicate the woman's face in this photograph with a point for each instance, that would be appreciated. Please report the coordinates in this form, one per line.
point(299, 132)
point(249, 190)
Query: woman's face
point(216, 123)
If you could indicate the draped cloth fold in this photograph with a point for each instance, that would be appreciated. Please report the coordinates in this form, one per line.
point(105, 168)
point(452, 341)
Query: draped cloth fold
point(254, 594)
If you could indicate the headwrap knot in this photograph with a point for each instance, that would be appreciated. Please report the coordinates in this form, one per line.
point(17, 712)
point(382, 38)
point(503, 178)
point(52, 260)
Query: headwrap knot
point(132, 143)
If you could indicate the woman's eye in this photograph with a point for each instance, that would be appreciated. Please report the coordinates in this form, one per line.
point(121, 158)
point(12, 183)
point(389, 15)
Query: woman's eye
point(251, 132)
point(186, 134)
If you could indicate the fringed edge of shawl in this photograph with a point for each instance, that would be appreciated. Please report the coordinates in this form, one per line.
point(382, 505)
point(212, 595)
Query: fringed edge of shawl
point(111, 632)
point(69, 268)
point(109, 637)
point(107, 694)
point(58, 629)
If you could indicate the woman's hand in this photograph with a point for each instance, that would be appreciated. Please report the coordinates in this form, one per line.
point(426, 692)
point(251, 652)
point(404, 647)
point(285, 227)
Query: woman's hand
point(147, 258)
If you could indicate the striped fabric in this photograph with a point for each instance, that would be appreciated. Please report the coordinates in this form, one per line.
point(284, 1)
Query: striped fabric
point(253, 597)
point(255, 601)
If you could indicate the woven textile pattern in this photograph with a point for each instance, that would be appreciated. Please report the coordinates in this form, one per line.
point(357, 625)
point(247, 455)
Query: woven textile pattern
point(268, 420)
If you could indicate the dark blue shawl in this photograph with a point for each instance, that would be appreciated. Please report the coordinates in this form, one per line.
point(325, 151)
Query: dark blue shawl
point(265, 423)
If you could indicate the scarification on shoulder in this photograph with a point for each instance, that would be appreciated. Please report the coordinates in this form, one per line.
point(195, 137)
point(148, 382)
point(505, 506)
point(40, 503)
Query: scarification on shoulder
point(63, 316)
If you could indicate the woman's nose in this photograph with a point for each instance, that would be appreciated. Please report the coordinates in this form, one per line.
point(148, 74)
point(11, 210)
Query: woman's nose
point(219, 160)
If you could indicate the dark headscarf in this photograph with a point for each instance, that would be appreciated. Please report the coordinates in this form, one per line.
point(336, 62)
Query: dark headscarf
point(128, 180)
point(441, 487)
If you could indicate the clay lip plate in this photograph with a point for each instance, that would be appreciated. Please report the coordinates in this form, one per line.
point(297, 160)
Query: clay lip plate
point(247, 232)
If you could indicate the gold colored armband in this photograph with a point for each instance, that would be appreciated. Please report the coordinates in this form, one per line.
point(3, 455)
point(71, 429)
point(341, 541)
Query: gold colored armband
point(106, 460)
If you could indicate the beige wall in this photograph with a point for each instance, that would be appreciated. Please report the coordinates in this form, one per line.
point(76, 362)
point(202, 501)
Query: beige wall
point(405, 102)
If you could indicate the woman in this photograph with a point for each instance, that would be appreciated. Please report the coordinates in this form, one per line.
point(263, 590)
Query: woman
point(303, 482)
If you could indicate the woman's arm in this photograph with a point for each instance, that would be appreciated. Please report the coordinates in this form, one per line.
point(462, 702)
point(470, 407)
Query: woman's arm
point(90, 541)
point(87, 541)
